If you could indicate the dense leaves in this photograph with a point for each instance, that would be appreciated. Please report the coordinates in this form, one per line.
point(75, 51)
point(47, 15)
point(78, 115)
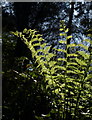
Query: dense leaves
point(47, 77)
point(68, 85)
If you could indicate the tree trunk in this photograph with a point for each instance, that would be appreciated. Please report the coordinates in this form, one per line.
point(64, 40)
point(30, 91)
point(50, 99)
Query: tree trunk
point(70, 21)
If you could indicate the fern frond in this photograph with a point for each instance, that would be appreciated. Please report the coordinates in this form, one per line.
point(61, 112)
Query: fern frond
point(59, 67)
point(72, 55)
point(60, 50)
point(49, 56)
point(83, 54)
point(34, 40)
point(87, 40)
point(89, 76)
point(72, 63)
point(90, 68)
point(83, 46)
point(62, 42)
point(43, 45)
point(62, 59)
point(72, 67)
point(62, 34)
point(68, 37)
point(46, 49)
point(71, 45)
point(66, 30)
point(68, 75)
point(36, 44)
point(81, 62)
point(70, 71)
point(52, 63)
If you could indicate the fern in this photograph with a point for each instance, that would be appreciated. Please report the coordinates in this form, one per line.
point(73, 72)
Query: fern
point(70, 82)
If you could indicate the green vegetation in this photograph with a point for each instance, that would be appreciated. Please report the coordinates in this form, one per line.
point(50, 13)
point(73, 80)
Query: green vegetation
point(63, 82)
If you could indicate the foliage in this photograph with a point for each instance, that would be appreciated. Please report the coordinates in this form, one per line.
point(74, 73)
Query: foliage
point(46, 19)
point(67, 79)
point(20, 87)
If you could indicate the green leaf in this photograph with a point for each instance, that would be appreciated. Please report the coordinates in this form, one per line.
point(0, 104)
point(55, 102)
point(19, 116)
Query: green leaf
point(50, 82)
point(83, 46)
point(46, 50)
point(61, 29)
point(71, 45)
point(61, 59)
point(80, 106)
point(49, 56)
point(48, 77)
point(87, 40)
point(90, 68)
point(25, 30)
point(53, 72)
point(38, 35)
point(39, 50)
point(40, 39)
point(72, 67)
point(71, 92)
point(80, 62)
point(62, 42)
point(72, 55)
point(72, 63)
point(59, 67)
point(15, 33)
point(61, 50)
point(43, 45)
point(70, 80)
point(56, 91)
point(62, 85)
point(89, 35)
point(79, 71)
point(52, 63)
point(39, 57)
point(36, 44)
point(70, 71)
point(62, 34)
point(84, 54)
point(45, 70)
point(68, 37)
point(89, 76)
point(34, 39)
point(66, 30)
